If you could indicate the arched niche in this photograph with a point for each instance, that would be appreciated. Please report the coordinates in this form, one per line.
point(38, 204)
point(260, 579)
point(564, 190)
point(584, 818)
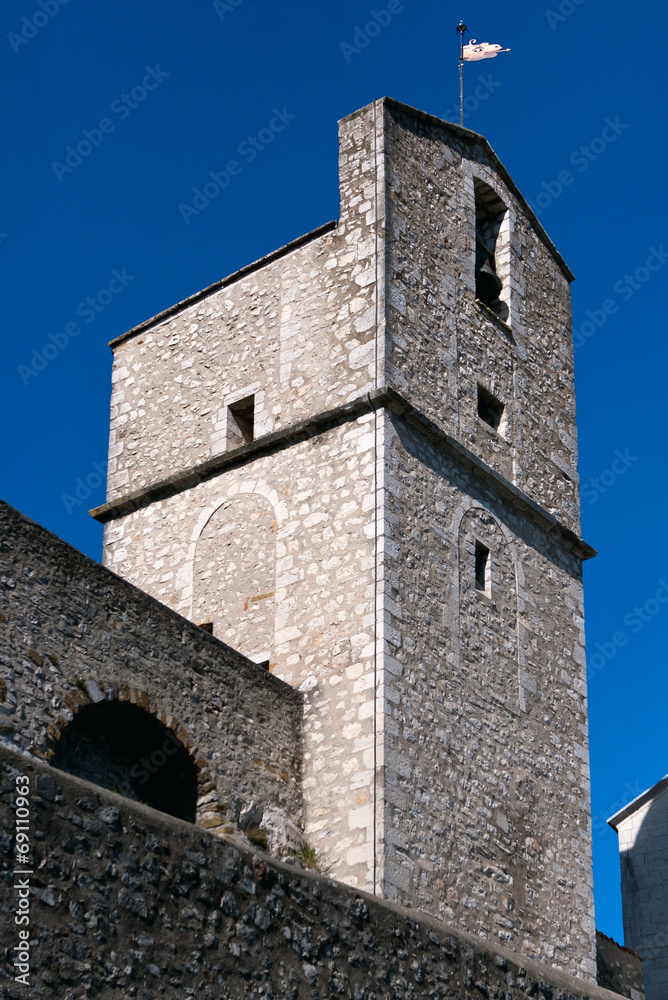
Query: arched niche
point(488, 633)
point(234, 574)
point(124, 748)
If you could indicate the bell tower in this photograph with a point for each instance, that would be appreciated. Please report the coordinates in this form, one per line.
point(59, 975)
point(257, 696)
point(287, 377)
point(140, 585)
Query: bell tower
point(357, 459)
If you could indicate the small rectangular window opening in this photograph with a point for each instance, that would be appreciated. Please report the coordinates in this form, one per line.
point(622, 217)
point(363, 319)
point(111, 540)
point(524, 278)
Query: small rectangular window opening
point(240, 422)
point(482, 574)
point(491, 409)
point(262, 660)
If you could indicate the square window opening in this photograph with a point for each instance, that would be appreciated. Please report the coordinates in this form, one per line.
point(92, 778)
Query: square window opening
point(482, 568)
point(491, 410)
point(240, 422)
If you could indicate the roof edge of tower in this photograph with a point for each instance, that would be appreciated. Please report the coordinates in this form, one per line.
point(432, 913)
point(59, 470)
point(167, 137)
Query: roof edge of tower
point(256, 265)
point(470, 136)
point(651, 793)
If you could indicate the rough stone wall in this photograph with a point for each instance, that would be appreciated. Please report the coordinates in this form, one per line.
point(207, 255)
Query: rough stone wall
point(73, 634)
point(487, 771)
point(618, 969)
point(127, 902)
point(310, 515)
point(441, 343)
point(298, 334)
point(643, 851)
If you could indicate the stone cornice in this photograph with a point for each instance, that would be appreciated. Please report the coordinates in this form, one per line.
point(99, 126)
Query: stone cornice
point(318, 424)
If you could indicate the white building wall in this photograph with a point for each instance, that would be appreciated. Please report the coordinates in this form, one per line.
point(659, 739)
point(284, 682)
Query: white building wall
point(643, 848)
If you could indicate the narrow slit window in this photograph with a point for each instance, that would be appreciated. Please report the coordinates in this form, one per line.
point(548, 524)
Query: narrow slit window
point(482, 574)
point(490, 409)
point(240, 422)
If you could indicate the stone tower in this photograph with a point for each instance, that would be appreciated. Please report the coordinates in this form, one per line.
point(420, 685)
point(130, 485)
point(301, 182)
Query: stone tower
point(358, 460)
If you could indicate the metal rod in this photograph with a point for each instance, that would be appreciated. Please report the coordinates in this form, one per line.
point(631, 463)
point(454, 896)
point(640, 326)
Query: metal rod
point(461, 29)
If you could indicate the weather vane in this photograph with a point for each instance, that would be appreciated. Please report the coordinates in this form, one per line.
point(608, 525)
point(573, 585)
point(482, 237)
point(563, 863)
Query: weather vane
point(472, 52)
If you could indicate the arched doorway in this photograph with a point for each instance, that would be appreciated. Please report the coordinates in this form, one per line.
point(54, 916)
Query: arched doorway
point(124, 748)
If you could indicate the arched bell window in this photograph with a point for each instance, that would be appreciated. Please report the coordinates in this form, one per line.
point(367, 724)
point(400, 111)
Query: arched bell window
point(489, 213)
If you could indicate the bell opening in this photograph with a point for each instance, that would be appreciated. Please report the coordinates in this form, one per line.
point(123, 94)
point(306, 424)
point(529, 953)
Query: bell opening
point(490, 211)
point(488, 284)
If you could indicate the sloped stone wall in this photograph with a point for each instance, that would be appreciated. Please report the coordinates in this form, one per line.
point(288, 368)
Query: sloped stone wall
point(619, 969)
point(125, 902)
point(73, 634)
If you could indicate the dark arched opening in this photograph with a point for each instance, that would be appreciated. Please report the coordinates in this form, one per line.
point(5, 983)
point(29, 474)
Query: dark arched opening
point(123, 748)
point(489, 213)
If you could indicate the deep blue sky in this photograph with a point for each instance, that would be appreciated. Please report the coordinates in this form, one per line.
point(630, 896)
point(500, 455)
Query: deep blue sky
point(60, 240)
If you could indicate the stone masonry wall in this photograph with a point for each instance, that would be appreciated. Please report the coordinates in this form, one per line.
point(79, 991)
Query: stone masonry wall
point(441, 343)
point(286, 542)
point(128, 903)
point(618, 968)
point(298, 334)
point(487, 771)
point(74, 634)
